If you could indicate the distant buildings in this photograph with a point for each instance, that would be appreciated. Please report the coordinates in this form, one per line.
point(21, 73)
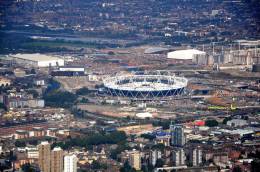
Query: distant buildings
point(22, 103)
point(19, 73)
point(44, 160)
point(37, 60)
point(220, 159)
point(154, 156)
point(177, 135)
point(196, 157)
point(69, 71)
point(190, 55)
point(5, 81)
point(54, 160)
point(185, 54)
point(1, 149)
point(178, 140)
point(165, 140)
point(237, 122)
point(70, 163)
point(32, 153)
point(39, 132)
point(179, 157)
point(134, 158)
point(57, 160)
point(16, 100)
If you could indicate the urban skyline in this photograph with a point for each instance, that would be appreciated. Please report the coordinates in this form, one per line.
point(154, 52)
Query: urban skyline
point(129, 86)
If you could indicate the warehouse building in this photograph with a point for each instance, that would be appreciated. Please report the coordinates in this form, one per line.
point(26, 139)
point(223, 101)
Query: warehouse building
point(69, 71)
point(191, 56)
point(37, 60)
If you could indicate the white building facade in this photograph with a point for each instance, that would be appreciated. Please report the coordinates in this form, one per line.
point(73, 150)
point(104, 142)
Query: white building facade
point(70, 163)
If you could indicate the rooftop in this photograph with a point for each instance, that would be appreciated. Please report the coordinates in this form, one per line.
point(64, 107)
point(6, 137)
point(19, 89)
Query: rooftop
point(185, 54)
point(35, 57)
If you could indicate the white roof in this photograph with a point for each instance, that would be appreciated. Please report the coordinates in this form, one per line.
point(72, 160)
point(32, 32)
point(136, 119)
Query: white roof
point(237, 122)
point(36, 57)
point(174, 82)
point(144, 115)
point(57, 149)
point(155, 50)
point(44, 143)
point(184, 54)
point(242, 132)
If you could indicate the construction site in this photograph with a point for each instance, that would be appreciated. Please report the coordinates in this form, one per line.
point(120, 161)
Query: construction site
point(221, 85)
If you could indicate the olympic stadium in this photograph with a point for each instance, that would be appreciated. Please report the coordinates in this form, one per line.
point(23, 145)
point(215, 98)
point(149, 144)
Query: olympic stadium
point(145, 85)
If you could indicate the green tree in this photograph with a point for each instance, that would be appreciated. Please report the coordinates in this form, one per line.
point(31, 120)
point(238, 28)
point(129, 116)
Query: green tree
point(120, 148)
point(34, 93)
point(33, 71)
point(84, 100)
point(164, 124)
point(255, 165)
point(116, 137)
point(211, 123)
point(58, 98)
point(147, 168)
point(19, 143)
point(159, 146)
point(159, 163)
point(148, 136)
point(237, 169)
point(127, 168)
point(96, 165)
point(111, 53)
point(2, 106)
point(226, 119)
point(28, 168)
point(77, 112)
point(83, 91)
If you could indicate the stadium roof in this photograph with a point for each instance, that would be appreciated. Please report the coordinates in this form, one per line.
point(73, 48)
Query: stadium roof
point(184, 54)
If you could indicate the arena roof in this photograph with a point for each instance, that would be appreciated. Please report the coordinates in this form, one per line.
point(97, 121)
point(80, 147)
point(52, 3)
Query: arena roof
point(147, 85)
point(184, 54)
point(142, 83)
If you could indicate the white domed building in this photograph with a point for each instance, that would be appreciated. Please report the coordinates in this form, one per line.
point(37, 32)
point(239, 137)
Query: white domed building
point(190, 55)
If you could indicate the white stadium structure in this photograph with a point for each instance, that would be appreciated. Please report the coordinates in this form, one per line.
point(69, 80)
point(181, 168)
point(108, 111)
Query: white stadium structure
point(189, 54)
point(145, 85)
point(37, 60)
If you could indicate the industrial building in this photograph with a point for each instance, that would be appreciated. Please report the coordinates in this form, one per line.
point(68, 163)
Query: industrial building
point(189, 54)
point(134, 159)
point(22, 102)
point(70, 163)
point(44, 160)
point(37, 60)
point(196, 157)
point(179, 157)
point(69, 71)
point(154, 155)
point(57, 160)
point(177, 135)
